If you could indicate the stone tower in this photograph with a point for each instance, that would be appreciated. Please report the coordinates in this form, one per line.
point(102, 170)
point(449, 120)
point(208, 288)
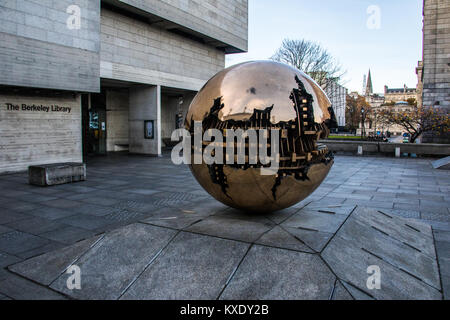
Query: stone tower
point(436, 59)
point(369, 88)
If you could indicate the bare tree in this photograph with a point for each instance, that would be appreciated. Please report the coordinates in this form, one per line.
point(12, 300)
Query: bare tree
point(311, 58)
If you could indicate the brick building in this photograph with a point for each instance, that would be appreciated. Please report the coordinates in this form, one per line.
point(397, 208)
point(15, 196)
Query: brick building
point(82, 77)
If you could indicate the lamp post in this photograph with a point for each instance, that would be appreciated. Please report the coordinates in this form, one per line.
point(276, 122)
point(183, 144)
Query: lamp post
point(363, 116)
point(375, 115)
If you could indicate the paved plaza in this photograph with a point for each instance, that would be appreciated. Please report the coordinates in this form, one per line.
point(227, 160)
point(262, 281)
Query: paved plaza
point(143, 228)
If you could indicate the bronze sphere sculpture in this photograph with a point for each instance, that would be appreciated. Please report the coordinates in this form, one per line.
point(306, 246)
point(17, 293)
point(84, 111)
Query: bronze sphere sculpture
point(294, 111)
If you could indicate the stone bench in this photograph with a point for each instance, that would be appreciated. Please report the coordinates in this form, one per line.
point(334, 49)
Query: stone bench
point(56, 173)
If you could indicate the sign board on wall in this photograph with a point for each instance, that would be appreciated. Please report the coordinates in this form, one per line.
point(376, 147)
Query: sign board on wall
point(36, 107)
point(149, 129)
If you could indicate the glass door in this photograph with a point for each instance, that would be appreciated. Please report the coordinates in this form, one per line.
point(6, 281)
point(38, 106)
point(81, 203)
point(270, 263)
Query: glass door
point(97, 132)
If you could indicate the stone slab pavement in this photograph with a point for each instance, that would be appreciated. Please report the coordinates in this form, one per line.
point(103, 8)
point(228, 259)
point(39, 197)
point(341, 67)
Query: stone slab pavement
point(152, 219)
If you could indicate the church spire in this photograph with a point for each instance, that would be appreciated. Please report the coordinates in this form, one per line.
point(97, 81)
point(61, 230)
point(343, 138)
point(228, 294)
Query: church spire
point(369, 88)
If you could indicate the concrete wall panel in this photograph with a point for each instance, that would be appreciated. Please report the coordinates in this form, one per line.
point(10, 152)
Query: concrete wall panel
point(145, 104)
point(117, 102)
point(38, 137)
point(38, 49)
point(138, 52)
point(224, 20)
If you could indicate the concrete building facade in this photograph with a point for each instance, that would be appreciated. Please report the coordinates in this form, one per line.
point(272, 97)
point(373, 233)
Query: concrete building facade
point(82, 77)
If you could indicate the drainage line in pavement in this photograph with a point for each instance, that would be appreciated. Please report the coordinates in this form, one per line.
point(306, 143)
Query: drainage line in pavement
point(233, 272)
point(148, 264)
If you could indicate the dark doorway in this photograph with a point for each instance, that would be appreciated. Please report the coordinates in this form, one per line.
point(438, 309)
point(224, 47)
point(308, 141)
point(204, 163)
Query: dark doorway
point(94, 124)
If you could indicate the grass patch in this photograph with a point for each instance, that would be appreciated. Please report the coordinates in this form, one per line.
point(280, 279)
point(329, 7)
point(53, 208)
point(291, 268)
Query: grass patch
point(334, 137)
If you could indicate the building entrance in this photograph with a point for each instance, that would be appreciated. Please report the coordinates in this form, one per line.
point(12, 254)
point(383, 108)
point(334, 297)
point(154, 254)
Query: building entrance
point(94, 123)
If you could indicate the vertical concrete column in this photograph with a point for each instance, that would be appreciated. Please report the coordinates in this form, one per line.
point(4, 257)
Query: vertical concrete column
point(145, 104)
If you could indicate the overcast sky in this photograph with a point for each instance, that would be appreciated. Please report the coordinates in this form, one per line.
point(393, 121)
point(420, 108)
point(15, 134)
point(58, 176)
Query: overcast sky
point(390, 49)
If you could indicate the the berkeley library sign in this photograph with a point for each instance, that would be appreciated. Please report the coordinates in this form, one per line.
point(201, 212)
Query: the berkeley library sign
point(38, 108)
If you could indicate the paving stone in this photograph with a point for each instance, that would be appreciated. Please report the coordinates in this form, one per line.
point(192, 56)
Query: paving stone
point(110, 266)
point(20, 205)
point(99, 201)
point(68, 235)
point(371, 203)
point(272, 273)
point(136, 206)
point(324, 221)
point(402, 213)
point(122, 215)
point(281, 215)
point(446, 287)
point(277, 237)
point(330, 208)
point(406, 231)
point(340, 293)
point(51, 213)
point(142, 191)
point(91, 209)
point(3, 297)
point(441, 235)
point(8, 216)
point(15, 242)
point(437, 225)
point(36, 225)
point(204, 208)
point(33, 198)
point(436, 216)
point(85, 221)
point(356, 293)
point(7, 259)
point(191, 267)
point(47, 267)
point(4, 274)
point(52, 245)
point(176, 218)
point(21, 289)
point(232, 228)
point(316, 240)
point(405, 244)
point(61, 203)
point(406, 273)
point(4, 229)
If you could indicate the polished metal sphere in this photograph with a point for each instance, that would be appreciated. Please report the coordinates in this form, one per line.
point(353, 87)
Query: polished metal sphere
point(264, 95)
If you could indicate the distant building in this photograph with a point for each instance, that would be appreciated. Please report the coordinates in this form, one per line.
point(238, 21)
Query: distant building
point(399, 94)
point(436, 60)
point(369, 87)
point(373, 99)
point(338, 97)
